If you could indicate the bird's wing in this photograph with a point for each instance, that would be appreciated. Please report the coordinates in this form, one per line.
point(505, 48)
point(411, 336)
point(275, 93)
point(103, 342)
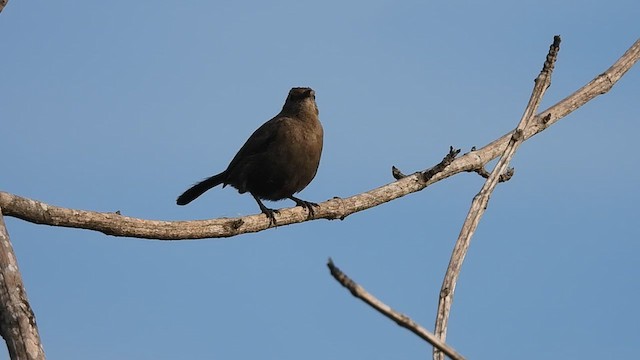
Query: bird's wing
point(259, 141)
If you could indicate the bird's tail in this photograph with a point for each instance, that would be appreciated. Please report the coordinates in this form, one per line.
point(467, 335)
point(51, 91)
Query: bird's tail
point(199, 188)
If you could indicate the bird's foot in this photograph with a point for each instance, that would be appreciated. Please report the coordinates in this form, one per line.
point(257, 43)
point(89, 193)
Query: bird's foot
point(305, 204)
point(270, 215)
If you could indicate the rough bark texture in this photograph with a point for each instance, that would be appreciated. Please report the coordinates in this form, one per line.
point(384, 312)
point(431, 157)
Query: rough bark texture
point(17, 322)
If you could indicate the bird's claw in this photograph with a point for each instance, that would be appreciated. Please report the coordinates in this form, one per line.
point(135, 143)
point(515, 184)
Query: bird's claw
point(270, 213)
point(307, 205)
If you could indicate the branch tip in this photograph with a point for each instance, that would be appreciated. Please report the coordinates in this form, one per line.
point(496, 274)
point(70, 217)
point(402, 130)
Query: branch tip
point(397, 174)
point(552, 56)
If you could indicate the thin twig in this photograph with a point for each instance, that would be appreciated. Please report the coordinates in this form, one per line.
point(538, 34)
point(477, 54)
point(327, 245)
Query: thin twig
point(428, 174)
point(400, 319)
point(480, 201)
point(502, 178)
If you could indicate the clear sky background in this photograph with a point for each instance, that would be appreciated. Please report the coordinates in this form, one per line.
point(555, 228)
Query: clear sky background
point(121, 105)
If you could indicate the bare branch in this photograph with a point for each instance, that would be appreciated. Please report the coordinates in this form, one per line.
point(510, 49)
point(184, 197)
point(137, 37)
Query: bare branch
point(3, 3)
point(113, 224)
point(17, 322)
point(480, 201)
point(400, 319)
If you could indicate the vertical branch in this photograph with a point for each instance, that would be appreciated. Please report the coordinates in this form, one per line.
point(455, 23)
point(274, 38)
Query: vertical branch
point(17, 322)
point(480, 201)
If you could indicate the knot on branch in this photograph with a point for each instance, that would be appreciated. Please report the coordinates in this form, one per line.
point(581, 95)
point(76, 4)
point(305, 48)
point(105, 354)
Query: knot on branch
point(508, 174)
point(428, 174)
point(518, 135)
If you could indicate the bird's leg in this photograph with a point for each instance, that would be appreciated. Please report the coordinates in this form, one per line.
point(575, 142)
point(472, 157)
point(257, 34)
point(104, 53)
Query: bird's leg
point(269, 212)
point(305, 204)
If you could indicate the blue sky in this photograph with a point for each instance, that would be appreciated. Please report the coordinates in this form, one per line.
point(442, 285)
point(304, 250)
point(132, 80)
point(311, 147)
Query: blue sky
point(122, 105)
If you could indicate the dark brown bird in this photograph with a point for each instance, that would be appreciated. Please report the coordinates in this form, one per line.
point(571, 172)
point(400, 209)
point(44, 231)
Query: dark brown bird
point(278, 160)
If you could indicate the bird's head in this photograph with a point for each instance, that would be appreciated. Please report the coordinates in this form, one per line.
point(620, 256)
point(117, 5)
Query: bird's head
point(301, 101)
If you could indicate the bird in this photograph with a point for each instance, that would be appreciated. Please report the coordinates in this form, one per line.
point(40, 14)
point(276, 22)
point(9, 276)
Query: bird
point(278, 160)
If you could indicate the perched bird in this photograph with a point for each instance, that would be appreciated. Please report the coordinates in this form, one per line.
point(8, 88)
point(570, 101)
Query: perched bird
point(278, 160)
